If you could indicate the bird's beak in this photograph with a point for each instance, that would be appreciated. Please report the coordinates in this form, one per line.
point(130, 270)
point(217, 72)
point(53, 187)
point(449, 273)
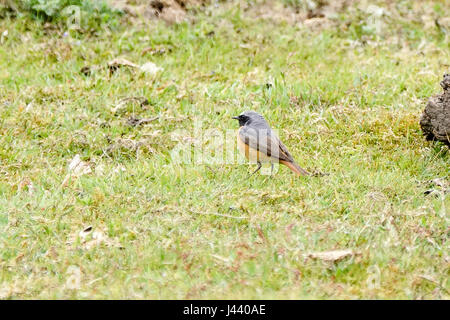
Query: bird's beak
point(237, 117)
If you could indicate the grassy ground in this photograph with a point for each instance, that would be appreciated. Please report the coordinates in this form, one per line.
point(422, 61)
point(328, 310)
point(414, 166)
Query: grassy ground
point(346, 98)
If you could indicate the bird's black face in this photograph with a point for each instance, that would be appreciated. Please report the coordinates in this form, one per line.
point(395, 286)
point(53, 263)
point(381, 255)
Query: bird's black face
point(242, 119)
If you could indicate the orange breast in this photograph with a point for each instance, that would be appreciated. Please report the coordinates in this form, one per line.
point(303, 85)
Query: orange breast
point(252, 154)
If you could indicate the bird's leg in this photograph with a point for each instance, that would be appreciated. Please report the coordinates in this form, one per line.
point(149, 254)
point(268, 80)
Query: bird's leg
point(271, 169)
point(257, 169)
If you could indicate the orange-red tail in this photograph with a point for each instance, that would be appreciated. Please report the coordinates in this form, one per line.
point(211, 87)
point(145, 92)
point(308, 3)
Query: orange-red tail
point(296, 168)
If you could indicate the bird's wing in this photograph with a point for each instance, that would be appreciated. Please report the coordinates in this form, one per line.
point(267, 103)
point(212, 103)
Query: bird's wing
point(266, 142)
point(284, 151)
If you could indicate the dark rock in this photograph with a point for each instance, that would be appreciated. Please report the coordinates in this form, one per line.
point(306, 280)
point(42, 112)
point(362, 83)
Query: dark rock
point(435, 120)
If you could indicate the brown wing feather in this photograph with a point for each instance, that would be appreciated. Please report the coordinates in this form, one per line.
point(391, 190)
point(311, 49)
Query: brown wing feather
point(285, 152)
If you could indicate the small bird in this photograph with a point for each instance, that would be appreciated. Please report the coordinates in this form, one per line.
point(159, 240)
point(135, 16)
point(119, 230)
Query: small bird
point(258, 143)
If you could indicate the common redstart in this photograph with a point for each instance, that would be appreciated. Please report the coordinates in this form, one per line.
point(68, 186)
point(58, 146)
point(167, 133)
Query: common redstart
point(259, 144)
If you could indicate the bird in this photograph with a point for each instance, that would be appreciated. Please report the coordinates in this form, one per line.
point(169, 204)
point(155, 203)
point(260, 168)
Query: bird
point(259, 144)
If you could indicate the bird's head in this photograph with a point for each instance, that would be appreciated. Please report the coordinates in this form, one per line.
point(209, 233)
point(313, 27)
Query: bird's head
point(248, 116)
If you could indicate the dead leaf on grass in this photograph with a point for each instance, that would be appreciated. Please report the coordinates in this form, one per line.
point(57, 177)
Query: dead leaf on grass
point(150, 68)
point(51, 252)
point(117, 63)
point(83, 233)
point(142, 101)
point(90, 238)
point(77, 168)
point(438, 185)
point(332, 256)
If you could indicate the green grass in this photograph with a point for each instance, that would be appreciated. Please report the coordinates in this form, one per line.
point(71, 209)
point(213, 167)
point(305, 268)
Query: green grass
point(345, 99)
